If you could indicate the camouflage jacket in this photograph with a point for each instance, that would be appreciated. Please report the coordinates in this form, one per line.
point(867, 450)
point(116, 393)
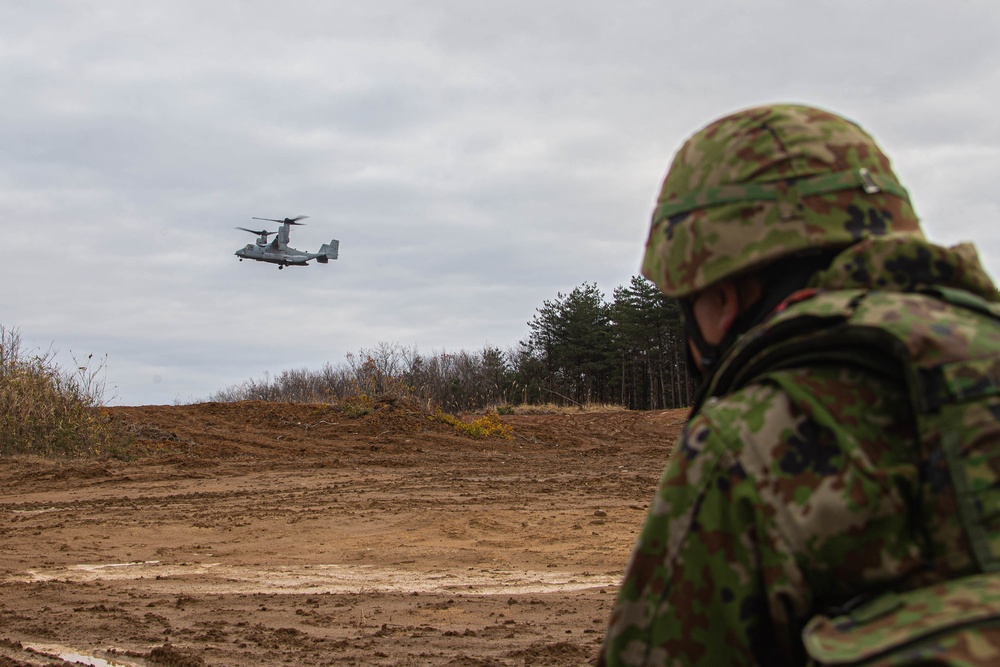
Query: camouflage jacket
point(793, 495)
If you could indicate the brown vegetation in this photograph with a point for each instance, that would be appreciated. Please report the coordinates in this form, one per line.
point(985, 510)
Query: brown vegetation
point(581, 351)
point(46, 410)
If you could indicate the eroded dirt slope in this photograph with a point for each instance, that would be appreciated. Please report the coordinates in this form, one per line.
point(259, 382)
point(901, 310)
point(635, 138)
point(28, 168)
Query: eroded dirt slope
point(276, 534)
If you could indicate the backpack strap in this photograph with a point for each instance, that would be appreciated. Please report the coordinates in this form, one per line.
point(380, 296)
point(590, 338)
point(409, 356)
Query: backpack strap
point(810, 327)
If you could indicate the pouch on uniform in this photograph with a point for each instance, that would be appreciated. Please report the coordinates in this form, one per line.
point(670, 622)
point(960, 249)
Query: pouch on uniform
point(943, 624)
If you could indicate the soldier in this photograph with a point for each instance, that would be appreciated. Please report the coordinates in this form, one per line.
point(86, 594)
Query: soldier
point(835, 495)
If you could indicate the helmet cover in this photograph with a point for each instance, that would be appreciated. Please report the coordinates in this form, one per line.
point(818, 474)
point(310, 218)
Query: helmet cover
point(766, 183)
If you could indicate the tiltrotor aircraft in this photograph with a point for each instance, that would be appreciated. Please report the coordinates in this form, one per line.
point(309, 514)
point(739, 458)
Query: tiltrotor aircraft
point(278, 252)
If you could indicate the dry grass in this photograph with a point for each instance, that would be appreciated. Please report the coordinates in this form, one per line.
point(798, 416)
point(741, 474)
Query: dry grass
point(46, 411)
point(487, 426)
point(553, 409)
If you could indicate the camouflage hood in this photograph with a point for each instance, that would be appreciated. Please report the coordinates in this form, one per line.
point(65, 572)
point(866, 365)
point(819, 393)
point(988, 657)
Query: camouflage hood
point(906, 263)
point(767, 183)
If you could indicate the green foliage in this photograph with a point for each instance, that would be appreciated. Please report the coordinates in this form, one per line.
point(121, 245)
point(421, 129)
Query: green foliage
point(650, 347)
point(572, 335)
point(487, 426)
point(48, 412)
point(632, 351)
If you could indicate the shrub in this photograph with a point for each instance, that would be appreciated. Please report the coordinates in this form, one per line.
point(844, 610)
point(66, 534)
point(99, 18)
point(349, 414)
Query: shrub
point(46, 411)
point(487, 426)
point(357, 406)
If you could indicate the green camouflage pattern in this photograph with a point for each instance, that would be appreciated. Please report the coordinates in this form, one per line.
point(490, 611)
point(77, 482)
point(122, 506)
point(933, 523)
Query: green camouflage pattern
point(923, 626)
point(765, 183)
point(819, 472)
point(906, 263)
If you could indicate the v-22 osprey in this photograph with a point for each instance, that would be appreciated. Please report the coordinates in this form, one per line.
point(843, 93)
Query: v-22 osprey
point(277, 251)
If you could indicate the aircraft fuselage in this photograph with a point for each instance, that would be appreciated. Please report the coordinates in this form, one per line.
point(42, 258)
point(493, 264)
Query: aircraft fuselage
point(284, 258)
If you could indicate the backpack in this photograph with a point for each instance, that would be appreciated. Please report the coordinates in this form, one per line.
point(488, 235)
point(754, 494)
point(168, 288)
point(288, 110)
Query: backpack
point(943, 346)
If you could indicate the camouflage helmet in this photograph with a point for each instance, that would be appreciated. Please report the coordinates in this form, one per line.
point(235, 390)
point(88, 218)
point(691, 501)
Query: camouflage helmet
point(766, 183)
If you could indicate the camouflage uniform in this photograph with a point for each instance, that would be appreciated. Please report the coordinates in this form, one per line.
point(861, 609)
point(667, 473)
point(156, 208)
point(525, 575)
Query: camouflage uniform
point(813, 495)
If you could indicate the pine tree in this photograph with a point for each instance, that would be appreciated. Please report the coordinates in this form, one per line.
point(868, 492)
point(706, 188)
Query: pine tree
point(572, 336)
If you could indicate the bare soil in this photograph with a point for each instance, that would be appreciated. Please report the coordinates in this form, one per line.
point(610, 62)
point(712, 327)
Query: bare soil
point(279, 534)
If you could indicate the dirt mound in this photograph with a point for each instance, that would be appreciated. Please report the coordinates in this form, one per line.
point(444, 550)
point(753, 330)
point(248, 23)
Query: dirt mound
point(268, 534)
point(257, 429)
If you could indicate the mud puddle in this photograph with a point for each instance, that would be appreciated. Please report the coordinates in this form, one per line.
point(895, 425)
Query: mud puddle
point(218, 578)
point(73, 656)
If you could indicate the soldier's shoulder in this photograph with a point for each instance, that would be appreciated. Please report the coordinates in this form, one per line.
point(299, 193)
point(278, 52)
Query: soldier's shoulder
point(728, 420)
point(775, 405)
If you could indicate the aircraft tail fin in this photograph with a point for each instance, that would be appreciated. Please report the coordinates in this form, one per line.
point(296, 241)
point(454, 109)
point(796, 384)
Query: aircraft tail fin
point(331, 249)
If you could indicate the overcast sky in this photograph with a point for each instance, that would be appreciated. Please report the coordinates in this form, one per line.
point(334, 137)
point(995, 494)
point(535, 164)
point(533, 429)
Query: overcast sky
point(473, 159)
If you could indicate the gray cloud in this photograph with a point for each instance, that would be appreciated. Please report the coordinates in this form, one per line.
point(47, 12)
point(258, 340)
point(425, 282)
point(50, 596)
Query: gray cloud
point(473, 159)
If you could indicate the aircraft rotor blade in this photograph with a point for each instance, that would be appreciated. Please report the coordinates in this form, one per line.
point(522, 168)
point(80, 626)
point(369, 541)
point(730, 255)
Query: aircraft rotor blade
point(259, 232)
point(290, 221)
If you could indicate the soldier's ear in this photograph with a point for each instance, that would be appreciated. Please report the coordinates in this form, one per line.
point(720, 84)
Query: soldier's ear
point(716, 308)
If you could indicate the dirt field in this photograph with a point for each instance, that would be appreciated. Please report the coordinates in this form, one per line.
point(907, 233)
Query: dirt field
point(271, 534)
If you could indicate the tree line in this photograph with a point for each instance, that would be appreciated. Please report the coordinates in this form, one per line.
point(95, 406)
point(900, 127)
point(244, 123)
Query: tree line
point(581, 349)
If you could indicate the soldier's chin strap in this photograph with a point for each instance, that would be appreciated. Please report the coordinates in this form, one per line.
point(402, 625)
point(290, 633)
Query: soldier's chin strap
point(779, 281)
point(708, 354)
